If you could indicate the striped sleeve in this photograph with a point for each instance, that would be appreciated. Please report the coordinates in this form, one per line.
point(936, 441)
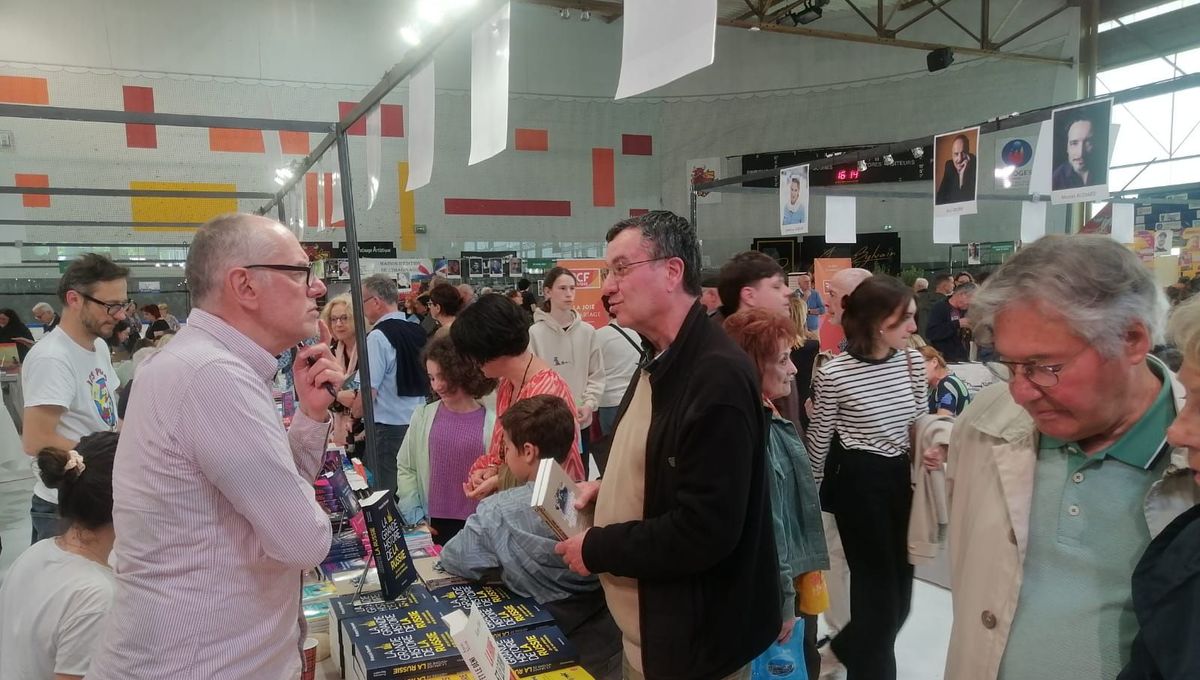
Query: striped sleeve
point(821, 426)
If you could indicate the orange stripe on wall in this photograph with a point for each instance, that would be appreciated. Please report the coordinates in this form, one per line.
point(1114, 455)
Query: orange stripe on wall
point(329, 199)
point(604, 183)
point(24, 90)
point(33, 200)
point(312, 207)
point(408, 210)
point(295, 143)
point(243, 141)
point(531, 140)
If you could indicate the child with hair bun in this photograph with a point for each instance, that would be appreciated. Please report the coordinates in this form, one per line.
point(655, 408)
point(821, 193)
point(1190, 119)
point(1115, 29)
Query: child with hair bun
point(57, 593)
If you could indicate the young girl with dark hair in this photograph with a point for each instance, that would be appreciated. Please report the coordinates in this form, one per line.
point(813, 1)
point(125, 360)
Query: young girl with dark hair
point(57, 593)
point(865, 400)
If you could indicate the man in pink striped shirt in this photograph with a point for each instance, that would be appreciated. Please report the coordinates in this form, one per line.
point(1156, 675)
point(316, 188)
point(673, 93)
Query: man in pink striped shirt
point(212, 499)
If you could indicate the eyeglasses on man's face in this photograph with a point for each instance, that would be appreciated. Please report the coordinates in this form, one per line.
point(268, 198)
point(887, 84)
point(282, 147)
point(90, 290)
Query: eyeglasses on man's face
point(307, 269)
point(620, 270)
point(1041, 375)
point(112, 308)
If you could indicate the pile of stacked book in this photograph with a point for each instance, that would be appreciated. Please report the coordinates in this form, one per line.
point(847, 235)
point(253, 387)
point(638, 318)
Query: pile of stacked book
point(407, 637)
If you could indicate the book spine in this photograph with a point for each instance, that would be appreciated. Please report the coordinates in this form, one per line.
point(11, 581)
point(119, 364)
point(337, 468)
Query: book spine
point(562, 535)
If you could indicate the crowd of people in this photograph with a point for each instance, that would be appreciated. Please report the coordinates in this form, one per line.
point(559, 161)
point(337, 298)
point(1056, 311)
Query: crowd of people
point(754, 456)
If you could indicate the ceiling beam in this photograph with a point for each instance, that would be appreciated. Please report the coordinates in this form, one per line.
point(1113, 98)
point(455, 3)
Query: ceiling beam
point(859, 12)
point(607, 8)
point(894, 42)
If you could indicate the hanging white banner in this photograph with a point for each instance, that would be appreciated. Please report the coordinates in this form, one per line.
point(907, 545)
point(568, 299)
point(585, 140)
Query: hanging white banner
point(374, 153)
point(421, 96)
point(1122, 223)
point(489, 87)
point(1033, 221)
point(945, 229)
point(663, 41)
point(841, 219)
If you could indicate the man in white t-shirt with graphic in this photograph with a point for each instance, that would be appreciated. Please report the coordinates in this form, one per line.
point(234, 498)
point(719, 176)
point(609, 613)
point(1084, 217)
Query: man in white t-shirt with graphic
point(68, 380)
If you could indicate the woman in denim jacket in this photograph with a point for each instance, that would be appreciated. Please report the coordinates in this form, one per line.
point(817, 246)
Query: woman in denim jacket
point(1166, 582)
point(796, 508)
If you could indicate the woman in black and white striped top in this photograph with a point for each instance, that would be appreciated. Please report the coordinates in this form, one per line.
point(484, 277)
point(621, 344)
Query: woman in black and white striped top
point(865, 400)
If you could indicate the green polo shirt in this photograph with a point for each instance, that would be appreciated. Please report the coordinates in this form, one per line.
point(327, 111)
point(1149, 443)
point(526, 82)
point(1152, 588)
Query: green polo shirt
point(1087, 530)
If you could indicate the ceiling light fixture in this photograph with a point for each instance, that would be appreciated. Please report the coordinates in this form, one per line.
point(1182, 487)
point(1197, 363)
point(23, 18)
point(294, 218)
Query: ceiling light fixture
point(939, 59)
point(810, 12)
point(585, 15)
point(564, 14)
point(410, 36)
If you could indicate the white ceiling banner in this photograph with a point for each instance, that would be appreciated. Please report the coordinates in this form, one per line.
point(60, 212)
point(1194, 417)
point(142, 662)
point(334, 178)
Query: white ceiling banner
point(1122, 222)
point(841, 219)
point(374, 153)
point(1033, 221)
point(421, 96)
point(945, 229)
point(489, 87)
point(663, 41)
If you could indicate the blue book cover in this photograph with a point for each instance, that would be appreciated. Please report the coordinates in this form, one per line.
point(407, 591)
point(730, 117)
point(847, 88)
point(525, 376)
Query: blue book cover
point(386, 532)
point(349, 608)
point(501, 615)
point(531, 651)
point(409, 644)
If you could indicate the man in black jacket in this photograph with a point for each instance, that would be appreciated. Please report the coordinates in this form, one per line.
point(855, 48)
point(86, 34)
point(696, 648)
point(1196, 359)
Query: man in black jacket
point(683, 536)
point(949, 327)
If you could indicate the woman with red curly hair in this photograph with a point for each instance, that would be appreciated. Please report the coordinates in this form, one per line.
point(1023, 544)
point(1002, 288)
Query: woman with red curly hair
point(768, 338)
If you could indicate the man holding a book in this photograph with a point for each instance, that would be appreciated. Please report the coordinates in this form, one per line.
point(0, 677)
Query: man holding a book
point(683, 537)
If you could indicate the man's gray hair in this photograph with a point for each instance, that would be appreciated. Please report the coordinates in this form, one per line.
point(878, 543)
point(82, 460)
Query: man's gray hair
point(1098, 285)
point(965, 288)
point(222, 243)
point(42, 307)
point(383, 287)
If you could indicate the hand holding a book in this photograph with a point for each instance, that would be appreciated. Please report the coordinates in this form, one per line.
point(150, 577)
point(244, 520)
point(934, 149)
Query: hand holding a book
point(588, 491)
point(571, 551)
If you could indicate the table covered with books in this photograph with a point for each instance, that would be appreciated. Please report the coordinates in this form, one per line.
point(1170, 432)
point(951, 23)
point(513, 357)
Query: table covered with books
point(380, 607)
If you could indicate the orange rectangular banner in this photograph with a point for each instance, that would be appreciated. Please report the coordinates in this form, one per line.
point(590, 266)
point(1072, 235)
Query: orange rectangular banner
point(587, 290)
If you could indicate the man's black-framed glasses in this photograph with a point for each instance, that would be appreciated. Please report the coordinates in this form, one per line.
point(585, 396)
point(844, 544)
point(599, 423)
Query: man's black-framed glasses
point(307, 269)
point(621, 269)
point(113, 308)
point(1042, 375)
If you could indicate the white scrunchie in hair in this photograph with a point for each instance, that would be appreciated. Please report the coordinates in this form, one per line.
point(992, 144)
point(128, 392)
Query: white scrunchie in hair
point(74, 461)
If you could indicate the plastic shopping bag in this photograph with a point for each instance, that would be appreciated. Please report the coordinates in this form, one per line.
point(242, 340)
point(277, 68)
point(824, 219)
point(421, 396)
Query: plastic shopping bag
point(782, 661)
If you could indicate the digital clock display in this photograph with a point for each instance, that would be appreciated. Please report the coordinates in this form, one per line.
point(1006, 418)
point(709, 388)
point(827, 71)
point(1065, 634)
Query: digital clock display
point(846, 175)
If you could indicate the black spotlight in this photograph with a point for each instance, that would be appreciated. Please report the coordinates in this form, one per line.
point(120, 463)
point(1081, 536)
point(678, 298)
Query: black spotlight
point(939, 59)
point(809, 13)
